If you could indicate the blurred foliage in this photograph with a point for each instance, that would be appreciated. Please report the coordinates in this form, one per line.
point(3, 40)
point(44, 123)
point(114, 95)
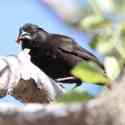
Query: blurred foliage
point(111, 44)
point(94, 22)
point(90, 72)
point(73, 11)
point(75, 95)
point(112, 67)
point(109, 40)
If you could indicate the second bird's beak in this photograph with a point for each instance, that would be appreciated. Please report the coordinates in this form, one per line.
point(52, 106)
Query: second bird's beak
point(22, 36)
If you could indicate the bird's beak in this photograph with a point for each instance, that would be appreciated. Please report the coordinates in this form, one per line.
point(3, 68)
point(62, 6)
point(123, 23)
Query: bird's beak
point(23, 35)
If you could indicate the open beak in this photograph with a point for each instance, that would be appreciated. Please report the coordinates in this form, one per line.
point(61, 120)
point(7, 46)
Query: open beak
point(22, 36)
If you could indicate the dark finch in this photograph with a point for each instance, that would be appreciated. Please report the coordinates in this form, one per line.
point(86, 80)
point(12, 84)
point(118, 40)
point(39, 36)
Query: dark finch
point(55, 54)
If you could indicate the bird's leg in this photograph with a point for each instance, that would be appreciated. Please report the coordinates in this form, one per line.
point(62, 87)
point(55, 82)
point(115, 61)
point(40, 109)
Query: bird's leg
point(70, 80)
point(64, 79)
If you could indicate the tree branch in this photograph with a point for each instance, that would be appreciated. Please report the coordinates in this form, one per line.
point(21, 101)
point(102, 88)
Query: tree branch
point(22, 79)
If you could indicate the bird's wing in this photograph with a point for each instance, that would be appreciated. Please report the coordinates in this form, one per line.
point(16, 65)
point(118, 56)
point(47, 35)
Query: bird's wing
point(70, 46)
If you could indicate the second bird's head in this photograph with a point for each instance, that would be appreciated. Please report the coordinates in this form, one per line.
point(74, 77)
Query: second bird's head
point(31, 35)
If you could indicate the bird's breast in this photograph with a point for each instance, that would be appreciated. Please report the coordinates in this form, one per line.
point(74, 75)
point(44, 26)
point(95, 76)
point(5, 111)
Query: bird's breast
point(50, 63)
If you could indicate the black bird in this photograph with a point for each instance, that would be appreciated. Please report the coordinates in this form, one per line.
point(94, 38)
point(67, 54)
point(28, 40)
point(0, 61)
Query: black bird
point(55, 54)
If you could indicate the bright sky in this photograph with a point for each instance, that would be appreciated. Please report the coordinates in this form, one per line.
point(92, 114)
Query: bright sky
point(15, 13)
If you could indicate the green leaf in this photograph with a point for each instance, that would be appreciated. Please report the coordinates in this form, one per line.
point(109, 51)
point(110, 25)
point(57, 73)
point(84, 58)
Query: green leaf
point(75, 95)
point(103, 42)
point(120, 45)
point(104, 47)
point(94, 22)
point(112, 67)
point(90, 72)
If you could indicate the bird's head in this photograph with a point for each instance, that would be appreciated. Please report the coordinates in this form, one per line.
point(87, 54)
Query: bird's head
point(31, 35)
